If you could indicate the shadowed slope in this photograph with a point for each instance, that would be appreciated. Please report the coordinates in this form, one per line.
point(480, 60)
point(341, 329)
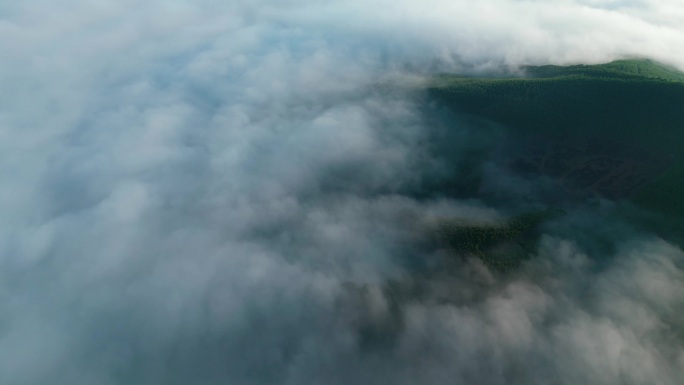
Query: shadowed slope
point(636, 103)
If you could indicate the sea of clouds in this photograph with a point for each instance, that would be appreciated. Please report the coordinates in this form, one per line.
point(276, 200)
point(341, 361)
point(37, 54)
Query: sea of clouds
point(207, 192)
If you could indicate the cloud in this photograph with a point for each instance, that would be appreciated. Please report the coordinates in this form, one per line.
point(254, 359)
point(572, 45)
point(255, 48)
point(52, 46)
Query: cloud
point(211, 193)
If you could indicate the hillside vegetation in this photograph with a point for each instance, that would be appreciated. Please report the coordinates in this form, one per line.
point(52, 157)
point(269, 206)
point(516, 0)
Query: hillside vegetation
point(624, 69)
point(637, 103)
point(500, 245)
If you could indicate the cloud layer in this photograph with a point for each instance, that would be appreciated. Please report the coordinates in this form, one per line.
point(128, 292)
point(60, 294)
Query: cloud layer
point(212, 193)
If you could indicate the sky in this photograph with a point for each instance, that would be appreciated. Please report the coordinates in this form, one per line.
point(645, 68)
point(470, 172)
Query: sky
point(205, 192)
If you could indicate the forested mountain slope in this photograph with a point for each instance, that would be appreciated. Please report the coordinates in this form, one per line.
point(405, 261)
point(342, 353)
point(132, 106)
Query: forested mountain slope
point(637, 104)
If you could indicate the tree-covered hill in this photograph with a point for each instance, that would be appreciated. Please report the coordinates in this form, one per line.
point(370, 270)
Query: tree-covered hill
point(637, 103)
point(619, 69)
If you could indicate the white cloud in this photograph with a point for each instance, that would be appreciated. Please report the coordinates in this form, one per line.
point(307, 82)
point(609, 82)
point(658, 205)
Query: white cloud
point(189, 188)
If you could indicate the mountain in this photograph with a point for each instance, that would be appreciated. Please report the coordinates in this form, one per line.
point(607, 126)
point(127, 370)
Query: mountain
point(617, 128)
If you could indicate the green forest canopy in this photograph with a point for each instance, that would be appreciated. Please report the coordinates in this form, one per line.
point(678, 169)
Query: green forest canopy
point(633, 102)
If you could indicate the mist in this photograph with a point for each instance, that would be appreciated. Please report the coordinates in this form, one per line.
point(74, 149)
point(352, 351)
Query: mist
point(210, 193)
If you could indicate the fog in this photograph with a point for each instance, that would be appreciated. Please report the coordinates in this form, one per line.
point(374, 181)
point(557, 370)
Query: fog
point(208, 193)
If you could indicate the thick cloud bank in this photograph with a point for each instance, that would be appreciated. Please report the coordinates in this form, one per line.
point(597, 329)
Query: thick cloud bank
point(196, 192)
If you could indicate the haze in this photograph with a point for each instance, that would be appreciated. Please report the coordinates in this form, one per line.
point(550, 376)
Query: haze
point(204, 192)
